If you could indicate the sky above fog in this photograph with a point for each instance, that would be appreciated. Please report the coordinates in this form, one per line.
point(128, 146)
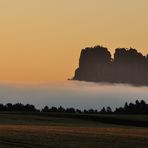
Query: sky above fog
point(41, 40)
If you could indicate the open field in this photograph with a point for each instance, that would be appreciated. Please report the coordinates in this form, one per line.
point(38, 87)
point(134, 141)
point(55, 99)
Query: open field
point(26, 130)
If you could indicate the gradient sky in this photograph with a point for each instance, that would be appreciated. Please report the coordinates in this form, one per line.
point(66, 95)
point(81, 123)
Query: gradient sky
point(40, 40)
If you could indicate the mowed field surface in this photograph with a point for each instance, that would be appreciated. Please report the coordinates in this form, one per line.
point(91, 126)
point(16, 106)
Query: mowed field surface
point(30, 131)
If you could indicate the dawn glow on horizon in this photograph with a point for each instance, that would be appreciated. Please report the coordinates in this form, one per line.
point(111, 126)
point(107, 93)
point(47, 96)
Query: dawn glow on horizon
point(40, 40)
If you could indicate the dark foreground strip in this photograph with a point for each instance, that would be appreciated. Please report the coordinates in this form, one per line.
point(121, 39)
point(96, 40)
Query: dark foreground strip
point(103, 119)
point(98, 118)
point(19, 144)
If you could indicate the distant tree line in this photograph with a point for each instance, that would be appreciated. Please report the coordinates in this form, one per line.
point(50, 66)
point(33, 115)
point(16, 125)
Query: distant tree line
point(127, 66)
point(139, 107)
point(18, 107)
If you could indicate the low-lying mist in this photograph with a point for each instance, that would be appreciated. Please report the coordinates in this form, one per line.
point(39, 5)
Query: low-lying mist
point(75, 94)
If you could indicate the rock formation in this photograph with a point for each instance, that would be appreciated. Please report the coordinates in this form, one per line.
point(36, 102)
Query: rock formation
point(127, 66)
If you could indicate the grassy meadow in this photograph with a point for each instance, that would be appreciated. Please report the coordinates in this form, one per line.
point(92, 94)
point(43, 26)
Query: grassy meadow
point(37, 130)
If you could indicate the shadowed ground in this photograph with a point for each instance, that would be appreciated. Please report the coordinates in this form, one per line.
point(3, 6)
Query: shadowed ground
point(55, 132)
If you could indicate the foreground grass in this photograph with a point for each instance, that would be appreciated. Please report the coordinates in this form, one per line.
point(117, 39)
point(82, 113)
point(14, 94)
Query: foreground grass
point(59, 136)
point(32, 131)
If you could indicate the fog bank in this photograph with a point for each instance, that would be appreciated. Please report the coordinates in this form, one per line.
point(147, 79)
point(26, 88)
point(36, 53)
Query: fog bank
point(73, 94)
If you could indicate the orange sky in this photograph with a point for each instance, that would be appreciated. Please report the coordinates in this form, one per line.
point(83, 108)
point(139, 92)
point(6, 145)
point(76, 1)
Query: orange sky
point(40, 40)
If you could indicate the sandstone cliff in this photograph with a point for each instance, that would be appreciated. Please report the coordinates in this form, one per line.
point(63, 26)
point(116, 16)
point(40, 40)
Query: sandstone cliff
point(127, 66)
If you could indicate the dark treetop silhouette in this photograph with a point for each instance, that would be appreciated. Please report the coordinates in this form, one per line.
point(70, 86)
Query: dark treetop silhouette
point(139, 107)
point(128, 66)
